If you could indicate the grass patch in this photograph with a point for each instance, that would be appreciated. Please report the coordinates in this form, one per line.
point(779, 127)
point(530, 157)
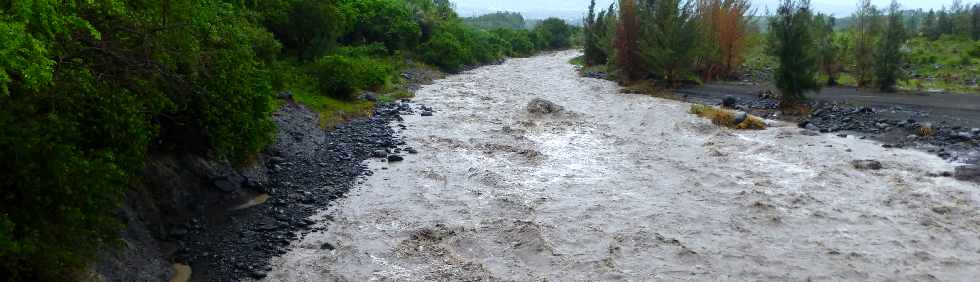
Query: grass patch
point(925, 131)
point(334, 112)
point(396, 95)
point(578, 61)
point(650, 88)
point(726, 118)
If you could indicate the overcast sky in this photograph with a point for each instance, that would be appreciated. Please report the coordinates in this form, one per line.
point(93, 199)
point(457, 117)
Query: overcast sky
point(576, 8)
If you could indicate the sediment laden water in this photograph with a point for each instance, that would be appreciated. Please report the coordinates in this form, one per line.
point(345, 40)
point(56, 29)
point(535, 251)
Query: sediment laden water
point(630, 187)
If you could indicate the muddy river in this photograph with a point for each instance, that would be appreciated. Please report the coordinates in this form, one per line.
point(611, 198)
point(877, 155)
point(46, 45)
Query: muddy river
point(626, 187)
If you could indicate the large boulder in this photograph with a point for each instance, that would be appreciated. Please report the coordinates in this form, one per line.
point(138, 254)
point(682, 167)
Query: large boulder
point(729, 102)
point(968, 173)
point(542, 106)
point(867, 164)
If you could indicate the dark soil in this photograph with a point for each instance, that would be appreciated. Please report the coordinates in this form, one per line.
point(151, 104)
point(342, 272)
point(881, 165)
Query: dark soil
point(893, 119)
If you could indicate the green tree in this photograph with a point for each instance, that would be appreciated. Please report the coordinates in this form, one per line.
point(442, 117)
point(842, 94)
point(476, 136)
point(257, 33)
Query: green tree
point(790, 41)
point(944, 23)
point(508, 20)
point(554, 33)
point(309, 28)
point(386, 21)
point(828, 50)
point(929, 28)
point(889, 57)
point(669, 45)
point(593, 29)
point(975, 21)
point(866, 32)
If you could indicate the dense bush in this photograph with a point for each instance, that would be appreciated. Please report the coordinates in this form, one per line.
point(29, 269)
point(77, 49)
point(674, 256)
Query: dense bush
point(342, 76)
point(308, 28)
point(76, 129)
point(554, 34)
point(498, 20)
point(519, 40)
point(386, 21)
point(446, 51)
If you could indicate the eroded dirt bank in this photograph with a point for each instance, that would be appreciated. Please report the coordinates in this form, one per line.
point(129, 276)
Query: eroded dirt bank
point(630, 187)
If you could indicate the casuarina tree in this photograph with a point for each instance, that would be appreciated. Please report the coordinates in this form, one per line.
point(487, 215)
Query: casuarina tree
point(670, 39)
point(791, 42)
point(627, 42)
point(827, 49)
point(889, 57)
point(593, 48)
point(866, 29)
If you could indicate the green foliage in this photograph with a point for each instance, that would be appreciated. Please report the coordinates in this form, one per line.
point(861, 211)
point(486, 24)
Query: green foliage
point(791, 42)
point(308, 28)
point(669, 45)
point(554, 33)
point(506, 20)
point(446, 51)
point(80, 111)
point(889, 57)
point(866, 31)
point(828, 47)
point(520, 41)
point(342, 76)
point(594, 28)
point(386, 21)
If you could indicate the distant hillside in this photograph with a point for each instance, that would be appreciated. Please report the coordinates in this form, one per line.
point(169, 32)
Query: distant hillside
point(511, 20)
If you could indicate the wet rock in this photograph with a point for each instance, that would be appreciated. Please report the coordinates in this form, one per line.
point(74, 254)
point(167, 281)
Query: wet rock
point(379, 154)
point(178, 232)
point(258, 274)
point(542, 106)
point(411, 150)
point(369, 96)
point(864, 110)
point(803, 123)
point(327, 246)
point(740, 117)
point(595, 74)
point(729, 102)
point(225, 184)
point(285, 95)
point(426, 114)
point(267, 226)
point(395, 158)
point(967, 173)
point(866, 164)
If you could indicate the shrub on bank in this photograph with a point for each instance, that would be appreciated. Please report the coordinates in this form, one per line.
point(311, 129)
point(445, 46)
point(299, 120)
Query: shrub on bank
point(445, 51)
point(88, 92)
point(727, 118)
point(341, 77)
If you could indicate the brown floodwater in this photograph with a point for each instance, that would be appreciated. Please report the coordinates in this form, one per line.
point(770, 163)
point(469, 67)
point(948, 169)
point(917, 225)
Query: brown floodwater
point(626, 187)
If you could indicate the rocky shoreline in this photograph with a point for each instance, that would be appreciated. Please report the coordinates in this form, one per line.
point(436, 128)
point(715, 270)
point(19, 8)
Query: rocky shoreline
point(304, 178)
point(226, 223)
point(894, 126)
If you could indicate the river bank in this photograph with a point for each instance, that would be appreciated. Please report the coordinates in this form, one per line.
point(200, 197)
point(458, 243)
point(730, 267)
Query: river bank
point(947, 125)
